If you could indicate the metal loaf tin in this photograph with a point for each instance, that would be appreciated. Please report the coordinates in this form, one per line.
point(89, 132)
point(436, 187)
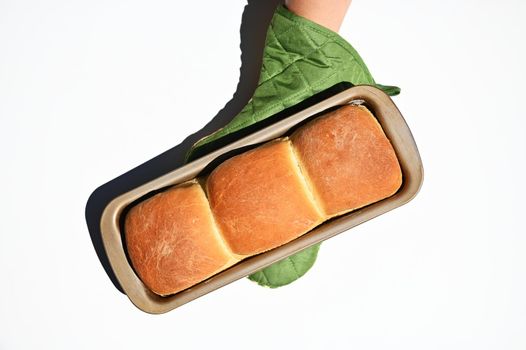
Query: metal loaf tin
point(394, 127)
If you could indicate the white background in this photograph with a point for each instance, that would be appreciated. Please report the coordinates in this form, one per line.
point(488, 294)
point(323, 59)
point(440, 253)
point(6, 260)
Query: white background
point(91, 89)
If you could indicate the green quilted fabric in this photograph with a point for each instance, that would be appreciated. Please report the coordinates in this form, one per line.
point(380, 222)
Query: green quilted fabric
point(300, 59)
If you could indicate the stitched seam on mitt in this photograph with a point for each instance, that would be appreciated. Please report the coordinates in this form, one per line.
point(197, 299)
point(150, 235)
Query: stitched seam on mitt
point(297, 22)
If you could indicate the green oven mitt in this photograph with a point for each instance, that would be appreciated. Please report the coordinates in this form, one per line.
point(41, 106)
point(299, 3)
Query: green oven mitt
point(300, 59)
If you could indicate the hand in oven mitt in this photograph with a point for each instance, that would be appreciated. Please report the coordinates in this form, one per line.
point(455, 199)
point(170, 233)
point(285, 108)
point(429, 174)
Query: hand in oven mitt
point(300, 59)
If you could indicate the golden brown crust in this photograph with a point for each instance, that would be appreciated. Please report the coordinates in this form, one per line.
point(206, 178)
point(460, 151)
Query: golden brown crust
point(349, 161)
point(172, 240)
point(259, 199)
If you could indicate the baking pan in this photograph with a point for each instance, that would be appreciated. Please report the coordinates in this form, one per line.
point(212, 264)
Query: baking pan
point(394, 127)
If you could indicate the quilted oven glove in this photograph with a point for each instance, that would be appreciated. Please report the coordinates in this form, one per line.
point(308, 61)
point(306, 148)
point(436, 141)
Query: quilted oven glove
point(300, 59)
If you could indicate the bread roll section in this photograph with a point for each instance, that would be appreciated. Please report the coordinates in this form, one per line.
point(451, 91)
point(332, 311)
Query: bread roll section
point(261, 199)
point(173, 242)
point(348, 160)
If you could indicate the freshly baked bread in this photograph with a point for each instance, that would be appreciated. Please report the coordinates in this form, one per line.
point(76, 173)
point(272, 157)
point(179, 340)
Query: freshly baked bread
point(260, 199)
point(173, 242)
point(348, 160)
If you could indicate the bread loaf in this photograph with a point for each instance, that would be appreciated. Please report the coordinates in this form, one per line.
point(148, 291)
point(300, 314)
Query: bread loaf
point(261, 199)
